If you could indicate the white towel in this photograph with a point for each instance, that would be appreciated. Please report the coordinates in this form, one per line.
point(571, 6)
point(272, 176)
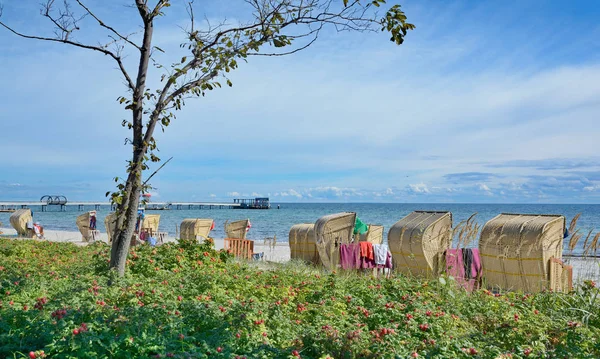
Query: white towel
point(380, 251)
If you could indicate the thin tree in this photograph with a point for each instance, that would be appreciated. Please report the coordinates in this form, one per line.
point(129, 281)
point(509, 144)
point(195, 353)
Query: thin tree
point(272, 28)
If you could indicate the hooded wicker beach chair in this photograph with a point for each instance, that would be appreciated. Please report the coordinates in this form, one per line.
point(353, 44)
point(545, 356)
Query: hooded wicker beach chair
point(516, 250)
point(150, 224)
point(86, 223)
point(418, 242)
point(192, 228)
point(373, 235)
point(237, 229)
point(331, 231)
point(303, 244)
point(19, 220)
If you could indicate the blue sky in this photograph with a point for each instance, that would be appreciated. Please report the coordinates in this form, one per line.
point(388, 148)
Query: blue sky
point(486, 101)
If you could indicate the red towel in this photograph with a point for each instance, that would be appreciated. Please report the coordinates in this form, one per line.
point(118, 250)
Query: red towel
point(366, 250)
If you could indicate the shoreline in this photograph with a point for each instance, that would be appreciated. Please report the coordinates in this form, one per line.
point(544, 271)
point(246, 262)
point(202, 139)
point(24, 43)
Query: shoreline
point(583, 267)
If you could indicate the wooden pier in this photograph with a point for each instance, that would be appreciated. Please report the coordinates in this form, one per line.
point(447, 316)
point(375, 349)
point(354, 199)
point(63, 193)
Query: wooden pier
point(6, 206)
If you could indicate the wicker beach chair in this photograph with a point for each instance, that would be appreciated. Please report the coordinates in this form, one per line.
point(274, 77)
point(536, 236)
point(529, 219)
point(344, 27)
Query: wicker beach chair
point(150, 224)
point(86, 223)
point(192, 228)
point(373, 235)
point(331, 231)
point(302, 243)
point(19, 220)
point(516, 251)
point(237, 229)
point(418, 242)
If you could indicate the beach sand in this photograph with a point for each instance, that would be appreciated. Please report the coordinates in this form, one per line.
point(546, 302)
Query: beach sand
point(583, 268)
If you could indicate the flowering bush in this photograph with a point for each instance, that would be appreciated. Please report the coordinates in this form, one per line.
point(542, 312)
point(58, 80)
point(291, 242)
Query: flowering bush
point(187, 300)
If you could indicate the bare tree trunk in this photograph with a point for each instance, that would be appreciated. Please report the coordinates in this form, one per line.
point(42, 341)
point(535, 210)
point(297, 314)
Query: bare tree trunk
point(127, 210)
point(127, 219)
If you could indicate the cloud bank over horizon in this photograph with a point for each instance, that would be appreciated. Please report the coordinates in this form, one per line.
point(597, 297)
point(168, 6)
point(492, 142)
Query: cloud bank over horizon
point(469, 109)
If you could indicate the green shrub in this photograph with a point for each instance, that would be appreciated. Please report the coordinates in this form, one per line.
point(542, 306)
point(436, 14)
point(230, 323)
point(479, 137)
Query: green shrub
point(187, 300)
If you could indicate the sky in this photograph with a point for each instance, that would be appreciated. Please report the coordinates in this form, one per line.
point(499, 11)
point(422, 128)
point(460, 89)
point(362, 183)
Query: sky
point(485, 102)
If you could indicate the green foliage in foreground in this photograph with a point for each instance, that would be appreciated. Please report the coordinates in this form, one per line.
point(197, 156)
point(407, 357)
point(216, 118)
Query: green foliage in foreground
point(189, 301)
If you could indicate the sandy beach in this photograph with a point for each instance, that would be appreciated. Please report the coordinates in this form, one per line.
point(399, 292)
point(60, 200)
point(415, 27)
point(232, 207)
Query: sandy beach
point(583, 268)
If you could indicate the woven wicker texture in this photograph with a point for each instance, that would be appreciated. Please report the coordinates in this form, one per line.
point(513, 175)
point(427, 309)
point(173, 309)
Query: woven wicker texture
point(237, 229)
point(331, 231)
point(302, 243)
point(418, 242)
point(19, 219)
point(373, 235)
point(83, 224)
point(192, 228)
point(561, 276)
point(516, 250)
point(110, 224)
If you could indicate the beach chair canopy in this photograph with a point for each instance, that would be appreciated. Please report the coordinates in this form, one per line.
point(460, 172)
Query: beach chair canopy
point(302, 243)
point(237, 229)
point(192, 228)
point(19, 220)
point(85, 222)
point(331, 231)
point(374, 234)
point(418, 242)
point(516, 250)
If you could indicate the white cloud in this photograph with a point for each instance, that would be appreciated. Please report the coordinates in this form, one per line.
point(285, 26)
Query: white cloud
point(483, 187)
point(212, 195)
point(419, 188)
point(233, 194)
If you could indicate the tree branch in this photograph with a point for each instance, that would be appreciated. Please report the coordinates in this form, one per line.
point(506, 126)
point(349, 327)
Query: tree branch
point(130, 83)
point(111, 29)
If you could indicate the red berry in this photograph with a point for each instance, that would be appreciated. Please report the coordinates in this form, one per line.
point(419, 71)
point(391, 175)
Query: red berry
point(472, 351)
point(32, 355)
point(219, 349)
point(75, 331)
point(295, 353)
point(179, 298)
point(414, 355)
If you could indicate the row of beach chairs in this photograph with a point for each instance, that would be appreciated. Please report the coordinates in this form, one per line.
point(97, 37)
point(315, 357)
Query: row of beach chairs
point(190, 229)
point(515, 252)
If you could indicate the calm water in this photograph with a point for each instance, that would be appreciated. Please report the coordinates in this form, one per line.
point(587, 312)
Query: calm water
point(267, 223)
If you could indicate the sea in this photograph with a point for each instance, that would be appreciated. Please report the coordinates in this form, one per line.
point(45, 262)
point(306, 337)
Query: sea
point(277, 222)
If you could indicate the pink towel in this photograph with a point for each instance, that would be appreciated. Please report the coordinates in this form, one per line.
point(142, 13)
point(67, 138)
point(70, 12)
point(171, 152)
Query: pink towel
point(350, 255)
point(455, 267)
